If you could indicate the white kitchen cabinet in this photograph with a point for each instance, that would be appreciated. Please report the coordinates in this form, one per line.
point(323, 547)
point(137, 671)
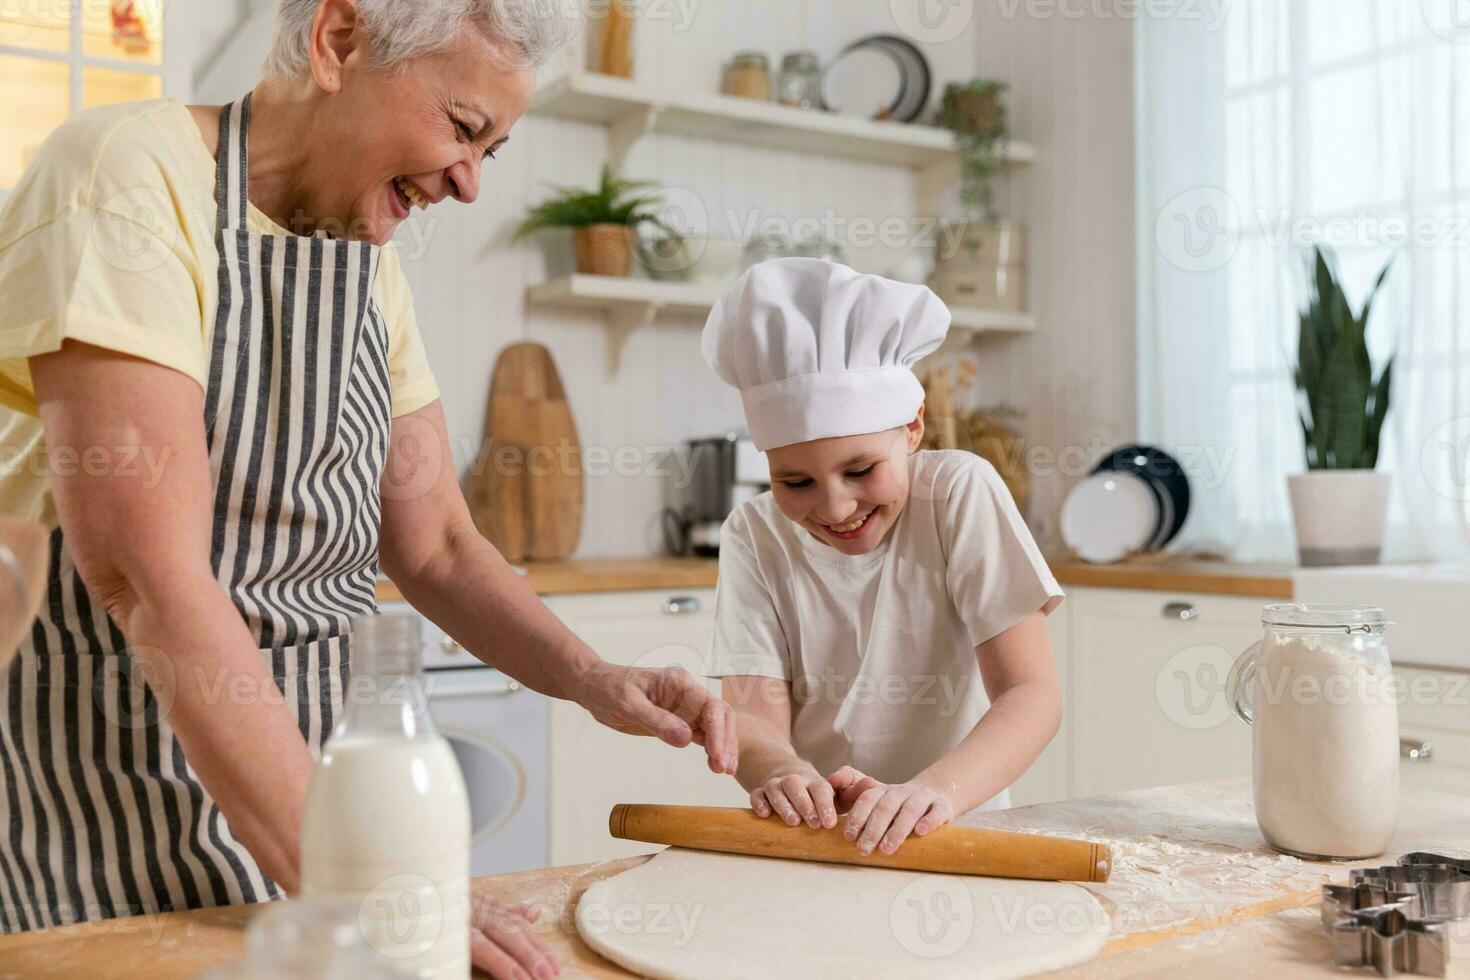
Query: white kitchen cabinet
point(593, 767)
point(1048, 777)
point(1147, 700)
point(1434, 714)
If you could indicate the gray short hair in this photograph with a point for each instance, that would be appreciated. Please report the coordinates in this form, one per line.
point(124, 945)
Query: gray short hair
point(525, 33)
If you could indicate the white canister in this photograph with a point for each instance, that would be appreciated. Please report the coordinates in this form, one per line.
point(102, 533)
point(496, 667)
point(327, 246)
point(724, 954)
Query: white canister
point(1318, 692)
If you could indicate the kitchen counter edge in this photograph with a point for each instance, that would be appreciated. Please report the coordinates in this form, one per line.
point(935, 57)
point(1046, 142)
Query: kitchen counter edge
point(631, 574)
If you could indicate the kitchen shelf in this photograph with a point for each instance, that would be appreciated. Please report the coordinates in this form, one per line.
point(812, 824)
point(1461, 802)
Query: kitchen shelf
point(630, 110)
point(630, 303)
point(611, 293)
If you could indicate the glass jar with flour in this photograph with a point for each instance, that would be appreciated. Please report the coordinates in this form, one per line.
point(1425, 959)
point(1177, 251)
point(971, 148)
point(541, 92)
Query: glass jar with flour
point(1319, 694)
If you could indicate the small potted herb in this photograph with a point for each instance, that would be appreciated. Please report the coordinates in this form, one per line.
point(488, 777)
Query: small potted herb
point(603, 221)
point(1340, 504)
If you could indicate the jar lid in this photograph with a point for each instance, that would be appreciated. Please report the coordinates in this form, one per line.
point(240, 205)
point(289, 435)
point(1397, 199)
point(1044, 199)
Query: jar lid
point(1314, 616)
point(801, 61)
point(751, 59)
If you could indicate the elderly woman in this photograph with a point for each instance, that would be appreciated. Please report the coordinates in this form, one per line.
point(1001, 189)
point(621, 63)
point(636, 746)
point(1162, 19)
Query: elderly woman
point(215, 395)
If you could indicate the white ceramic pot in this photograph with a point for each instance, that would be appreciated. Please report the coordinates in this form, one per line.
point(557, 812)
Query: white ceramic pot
point(1339, 515)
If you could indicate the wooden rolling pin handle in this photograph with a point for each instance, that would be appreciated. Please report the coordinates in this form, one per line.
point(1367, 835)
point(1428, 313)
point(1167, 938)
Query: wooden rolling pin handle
point(948, 850)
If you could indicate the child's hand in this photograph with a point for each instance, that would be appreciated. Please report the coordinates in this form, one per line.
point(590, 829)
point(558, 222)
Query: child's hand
point(884, 815)
point(849, 785)
point(797, 797)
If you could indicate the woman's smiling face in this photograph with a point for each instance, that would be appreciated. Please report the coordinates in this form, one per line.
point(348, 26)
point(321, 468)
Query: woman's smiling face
point(847, 491)
point(409, 136)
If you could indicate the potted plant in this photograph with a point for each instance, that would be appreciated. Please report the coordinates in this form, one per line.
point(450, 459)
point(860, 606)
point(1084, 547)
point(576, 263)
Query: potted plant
point(975, 113)
point(604, 222)
point(1339, 505)
point(980, 261)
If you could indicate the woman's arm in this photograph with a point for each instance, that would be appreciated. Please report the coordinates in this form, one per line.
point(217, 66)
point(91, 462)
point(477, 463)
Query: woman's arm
point(778, 779)
point(432, 551)
point(1025, 711)
point(130, 477)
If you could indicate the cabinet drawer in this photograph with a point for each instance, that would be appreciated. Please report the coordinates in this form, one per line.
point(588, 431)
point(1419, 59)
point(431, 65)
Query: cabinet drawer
point(1148, 703)
point(1434, 699)
point(684, 606)
point(1434, 710)
point(644, 629)
point(1446, 769)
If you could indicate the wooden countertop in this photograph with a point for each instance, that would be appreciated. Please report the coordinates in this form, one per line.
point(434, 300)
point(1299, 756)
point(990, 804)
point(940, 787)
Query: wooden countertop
point(1161, 574)
point(1194, 890)
point(605, 575)
point(1170, 575)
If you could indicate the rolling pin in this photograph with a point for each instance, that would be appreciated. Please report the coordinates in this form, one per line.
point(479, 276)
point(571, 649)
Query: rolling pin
point(948, 850)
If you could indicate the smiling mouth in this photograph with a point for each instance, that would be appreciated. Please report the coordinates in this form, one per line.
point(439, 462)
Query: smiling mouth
point(409, 195)
point(850, 526)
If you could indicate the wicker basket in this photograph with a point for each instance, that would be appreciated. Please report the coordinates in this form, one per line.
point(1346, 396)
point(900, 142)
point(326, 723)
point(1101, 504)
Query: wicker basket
point(603, 250)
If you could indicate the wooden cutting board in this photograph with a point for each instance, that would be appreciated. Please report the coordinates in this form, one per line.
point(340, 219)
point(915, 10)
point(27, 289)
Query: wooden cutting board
point(525, 491)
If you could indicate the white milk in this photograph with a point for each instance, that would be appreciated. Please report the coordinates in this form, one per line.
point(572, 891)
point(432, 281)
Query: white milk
point(1326, 752)
point(387, 821)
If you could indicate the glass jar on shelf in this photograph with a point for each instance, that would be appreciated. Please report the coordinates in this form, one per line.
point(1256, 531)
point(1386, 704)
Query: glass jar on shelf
point(749, 76)
point(800, 81)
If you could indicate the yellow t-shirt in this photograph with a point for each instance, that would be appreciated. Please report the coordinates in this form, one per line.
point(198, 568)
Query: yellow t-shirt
point(109, 239)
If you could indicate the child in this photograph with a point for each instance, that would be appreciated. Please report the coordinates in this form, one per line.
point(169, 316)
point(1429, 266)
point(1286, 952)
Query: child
point(880, 615)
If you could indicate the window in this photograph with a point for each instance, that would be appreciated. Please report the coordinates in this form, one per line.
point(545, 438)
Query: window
point(58, 57)
point(1284, 125)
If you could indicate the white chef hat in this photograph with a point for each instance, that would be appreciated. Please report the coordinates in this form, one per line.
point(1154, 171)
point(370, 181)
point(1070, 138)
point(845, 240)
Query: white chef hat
point(820, 350)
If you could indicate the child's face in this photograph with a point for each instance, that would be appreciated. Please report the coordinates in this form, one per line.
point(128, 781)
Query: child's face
point(846, 491)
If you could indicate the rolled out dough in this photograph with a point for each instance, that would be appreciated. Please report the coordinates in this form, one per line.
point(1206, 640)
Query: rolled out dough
point(700, 914)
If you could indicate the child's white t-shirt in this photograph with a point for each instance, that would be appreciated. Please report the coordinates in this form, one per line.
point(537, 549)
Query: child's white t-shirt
point(880, 648)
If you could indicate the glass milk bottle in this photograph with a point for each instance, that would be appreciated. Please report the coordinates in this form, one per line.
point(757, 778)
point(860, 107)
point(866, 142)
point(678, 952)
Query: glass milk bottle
point(1319, 695)
point(387, 822)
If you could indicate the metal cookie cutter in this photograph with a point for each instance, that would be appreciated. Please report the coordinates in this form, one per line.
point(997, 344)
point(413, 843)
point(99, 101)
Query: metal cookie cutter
point(1413, 917)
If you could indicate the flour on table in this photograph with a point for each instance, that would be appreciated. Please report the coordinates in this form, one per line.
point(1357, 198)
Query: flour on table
point(1182, 856)
point(699, 914)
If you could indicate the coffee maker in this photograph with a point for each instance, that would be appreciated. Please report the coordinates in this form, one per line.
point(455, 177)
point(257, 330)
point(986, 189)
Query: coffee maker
point(718, 475)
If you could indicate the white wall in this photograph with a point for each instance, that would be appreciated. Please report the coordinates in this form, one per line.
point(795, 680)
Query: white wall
point(1071, 95)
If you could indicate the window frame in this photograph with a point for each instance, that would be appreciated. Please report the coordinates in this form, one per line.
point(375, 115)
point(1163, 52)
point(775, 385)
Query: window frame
point(171, 69)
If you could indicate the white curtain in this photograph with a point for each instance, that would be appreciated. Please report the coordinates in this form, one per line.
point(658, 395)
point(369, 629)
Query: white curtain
point(1264, 128)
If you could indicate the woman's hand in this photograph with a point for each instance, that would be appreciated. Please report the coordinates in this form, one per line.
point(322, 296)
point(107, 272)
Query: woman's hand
point(797, 797)
point(503, 944)
point(883, 815)
point(667, 704)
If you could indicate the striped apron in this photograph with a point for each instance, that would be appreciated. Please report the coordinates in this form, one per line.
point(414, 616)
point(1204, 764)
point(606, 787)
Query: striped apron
point(104, 816)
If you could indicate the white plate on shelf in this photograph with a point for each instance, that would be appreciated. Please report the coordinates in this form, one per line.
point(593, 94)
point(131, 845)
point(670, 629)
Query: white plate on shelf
point(866, 80)
point(1108, 516)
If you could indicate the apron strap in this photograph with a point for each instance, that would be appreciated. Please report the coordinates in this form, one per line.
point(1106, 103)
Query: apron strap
point(230, 170)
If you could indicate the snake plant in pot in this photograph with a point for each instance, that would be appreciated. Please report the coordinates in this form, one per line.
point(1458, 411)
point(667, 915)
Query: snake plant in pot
point(1340, 503)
